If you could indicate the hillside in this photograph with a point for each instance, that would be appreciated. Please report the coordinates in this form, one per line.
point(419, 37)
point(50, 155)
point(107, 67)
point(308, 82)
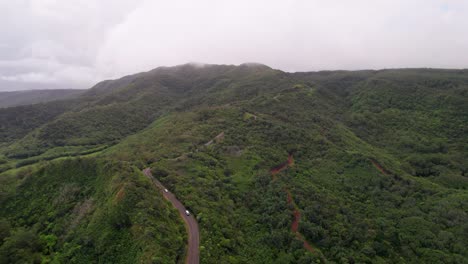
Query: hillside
point(15, 98)
point(339, 166)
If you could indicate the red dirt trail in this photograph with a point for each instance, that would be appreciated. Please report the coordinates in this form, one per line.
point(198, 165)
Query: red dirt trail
point(308, 247)
point(296, 212)
point(379, 167)
point(283, 165)
point(295, 223)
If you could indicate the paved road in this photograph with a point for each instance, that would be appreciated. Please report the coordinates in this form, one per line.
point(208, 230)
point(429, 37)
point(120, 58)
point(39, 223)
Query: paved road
point(193, 254)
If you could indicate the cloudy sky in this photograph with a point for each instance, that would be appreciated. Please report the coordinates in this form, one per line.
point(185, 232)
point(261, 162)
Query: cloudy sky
point(76, 43)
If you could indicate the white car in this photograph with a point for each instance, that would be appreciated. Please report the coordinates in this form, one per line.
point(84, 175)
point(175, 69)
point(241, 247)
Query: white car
point(187, 212)
point(166, 190)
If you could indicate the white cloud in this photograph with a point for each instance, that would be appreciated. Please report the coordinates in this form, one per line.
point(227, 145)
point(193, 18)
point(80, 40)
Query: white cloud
point(290, 35)
point(51, 41)
point(29, 77)
point(82, 41)
point(50, 72)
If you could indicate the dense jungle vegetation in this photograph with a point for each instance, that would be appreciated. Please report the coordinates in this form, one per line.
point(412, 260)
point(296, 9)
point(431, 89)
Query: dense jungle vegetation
point(377, 169)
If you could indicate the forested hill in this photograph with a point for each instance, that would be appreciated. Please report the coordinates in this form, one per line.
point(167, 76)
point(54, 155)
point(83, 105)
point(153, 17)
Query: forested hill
point(15, 98)
point(277, 167)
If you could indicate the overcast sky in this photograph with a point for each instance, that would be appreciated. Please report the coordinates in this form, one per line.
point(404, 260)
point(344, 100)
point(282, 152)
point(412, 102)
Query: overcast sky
point(76, 43)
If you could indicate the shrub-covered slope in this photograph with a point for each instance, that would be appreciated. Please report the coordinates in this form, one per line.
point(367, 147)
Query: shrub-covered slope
point(346, 167)
point(85, 210)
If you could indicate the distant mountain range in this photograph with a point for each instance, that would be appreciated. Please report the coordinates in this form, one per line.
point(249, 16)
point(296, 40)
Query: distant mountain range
point(15, 98)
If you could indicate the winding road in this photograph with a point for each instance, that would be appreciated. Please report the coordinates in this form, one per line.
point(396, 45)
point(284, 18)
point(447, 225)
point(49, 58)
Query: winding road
point(191, 225)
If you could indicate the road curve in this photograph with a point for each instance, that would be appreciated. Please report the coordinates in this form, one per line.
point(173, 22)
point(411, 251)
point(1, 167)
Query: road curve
point(193, 254)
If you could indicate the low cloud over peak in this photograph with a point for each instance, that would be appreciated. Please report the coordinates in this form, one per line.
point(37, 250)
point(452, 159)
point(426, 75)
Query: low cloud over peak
point(77, 43)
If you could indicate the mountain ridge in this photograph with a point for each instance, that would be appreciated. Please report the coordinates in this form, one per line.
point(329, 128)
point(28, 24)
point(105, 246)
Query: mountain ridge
point(378, 175)
point(28, 97)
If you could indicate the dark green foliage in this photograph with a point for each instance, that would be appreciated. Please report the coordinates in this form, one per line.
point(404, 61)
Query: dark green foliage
point(16, 122)
point(81, 210)
point(23, 246)
point(379, 173)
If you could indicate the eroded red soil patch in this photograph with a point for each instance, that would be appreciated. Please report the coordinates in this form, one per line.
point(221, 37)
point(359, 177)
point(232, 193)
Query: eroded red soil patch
point(308, 247)
point(295, 226)
point(283, 165)
point(120, 195)
point(379, 167)
point(289, 198)
point(296, 213)
point(295, 223)
point(290, 160)
point(279, 168)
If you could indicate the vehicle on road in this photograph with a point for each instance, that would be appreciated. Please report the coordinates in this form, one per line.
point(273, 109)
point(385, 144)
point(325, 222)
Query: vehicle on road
point(187, 212)
point(166, 190)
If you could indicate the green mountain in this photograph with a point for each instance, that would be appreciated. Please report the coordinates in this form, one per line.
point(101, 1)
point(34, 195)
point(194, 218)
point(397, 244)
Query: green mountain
point(15, 98)
point(277, 167)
